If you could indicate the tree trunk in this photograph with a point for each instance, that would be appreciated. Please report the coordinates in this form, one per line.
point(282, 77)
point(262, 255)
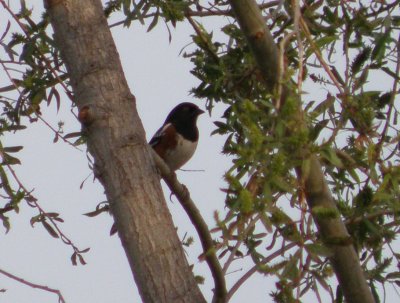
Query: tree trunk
point(123, 161)
point(345, 259)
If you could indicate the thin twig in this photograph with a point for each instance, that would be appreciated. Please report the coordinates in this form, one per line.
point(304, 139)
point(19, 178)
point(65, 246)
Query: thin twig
point(297, 16)
point(200, 34)
point(34, 285)
point(34, 201)
point(282, 69)
point(42, 56)
point(391, 103)
point(320, 57)
point(57, 133)
point(254, 269)
point(205, 12)
point(37, 115)
point(372, 216)
point(239, 242)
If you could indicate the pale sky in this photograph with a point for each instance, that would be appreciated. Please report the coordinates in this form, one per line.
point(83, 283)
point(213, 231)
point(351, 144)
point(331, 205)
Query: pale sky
point(160, 79)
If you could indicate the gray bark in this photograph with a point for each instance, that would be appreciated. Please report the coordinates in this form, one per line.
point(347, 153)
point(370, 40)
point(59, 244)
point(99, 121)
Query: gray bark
point(123, 161)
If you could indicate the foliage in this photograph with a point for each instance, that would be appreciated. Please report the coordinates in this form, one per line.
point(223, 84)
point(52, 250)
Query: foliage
point(333, 52)
point(35, 74)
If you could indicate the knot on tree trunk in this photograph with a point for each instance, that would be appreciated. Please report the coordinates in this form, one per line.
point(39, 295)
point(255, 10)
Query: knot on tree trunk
point(90, 113)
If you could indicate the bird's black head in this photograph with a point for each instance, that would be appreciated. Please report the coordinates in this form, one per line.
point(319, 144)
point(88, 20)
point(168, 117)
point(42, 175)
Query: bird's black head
point(184, 117)
point(185, 113)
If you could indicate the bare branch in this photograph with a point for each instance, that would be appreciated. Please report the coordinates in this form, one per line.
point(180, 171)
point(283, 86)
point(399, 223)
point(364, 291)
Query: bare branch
point(34, 285)
point(318, 54)
point(33, 201)
point(182, 194)
point(256, 267)
point(238, 243)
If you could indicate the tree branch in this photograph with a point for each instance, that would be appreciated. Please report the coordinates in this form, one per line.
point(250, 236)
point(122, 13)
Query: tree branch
point(183, 196)
point(34, 285)
point(204, 12)
point(233, 252)
point(345, 259)
point(122, 159)
point(32, 201)
point(254, 269)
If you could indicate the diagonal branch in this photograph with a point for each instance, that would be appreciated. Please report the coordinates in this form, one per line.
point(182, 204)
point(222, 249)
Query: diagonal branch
point(256, 267)
point(183, 195)
point(122, 159)
point(345, 259)
point(34, 285)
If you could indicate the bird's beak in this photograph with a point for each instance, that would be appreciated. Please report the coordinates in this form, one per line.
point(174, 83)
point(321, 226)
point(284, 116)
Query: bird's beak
point(199, 112)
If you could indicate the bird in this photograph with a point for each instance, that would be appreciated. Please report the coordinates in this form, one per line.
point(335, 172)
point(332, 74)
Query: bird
point(176, 140)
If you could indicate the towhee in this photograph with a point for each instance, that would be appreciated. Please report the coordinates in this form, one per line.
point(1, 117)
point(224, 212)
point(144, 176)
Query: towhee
point(176, 141)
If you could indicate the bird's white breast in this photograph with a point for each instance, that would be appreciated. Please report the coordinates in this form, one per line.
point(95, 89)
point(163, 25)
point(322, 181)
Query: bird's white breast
point(181, 154)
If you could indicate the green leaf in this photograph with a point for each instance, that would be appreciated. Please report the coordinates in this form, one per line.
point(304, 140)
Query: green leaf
point(12, 149)
point(378, 53)
point(36, 219)
point(354, 175)
point(84, 250)
point(322, 281)
point(319, 250)
point(5, 183)
point(14, 127)
point(54, 216)
point(265, 220)
point(97, 211)
point(322, 212)
point(73, 258)
point(323, 106)
point(81, 259)
point(73, 135)
point(282, 185)
point(321, 43)
point(49, 229)
point(384, 99)
point(199, 279)
point(374, 292)
point(113, 229)
point(126, 5)
point(10, 160)
point(246, 201)
point(291, 271)
point(37, 97)
point(222, 128)
point(330, 155)
point(153, 22)
point(316, 130)
point(6, 222)
point(393, 275)
point(360, 81)
point(330, 16)
point(54, 93)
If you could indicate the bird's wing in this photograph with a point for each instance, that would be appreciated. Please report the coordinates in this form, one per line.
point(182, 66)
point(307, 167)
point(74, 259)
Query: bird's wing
point(159, 134)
